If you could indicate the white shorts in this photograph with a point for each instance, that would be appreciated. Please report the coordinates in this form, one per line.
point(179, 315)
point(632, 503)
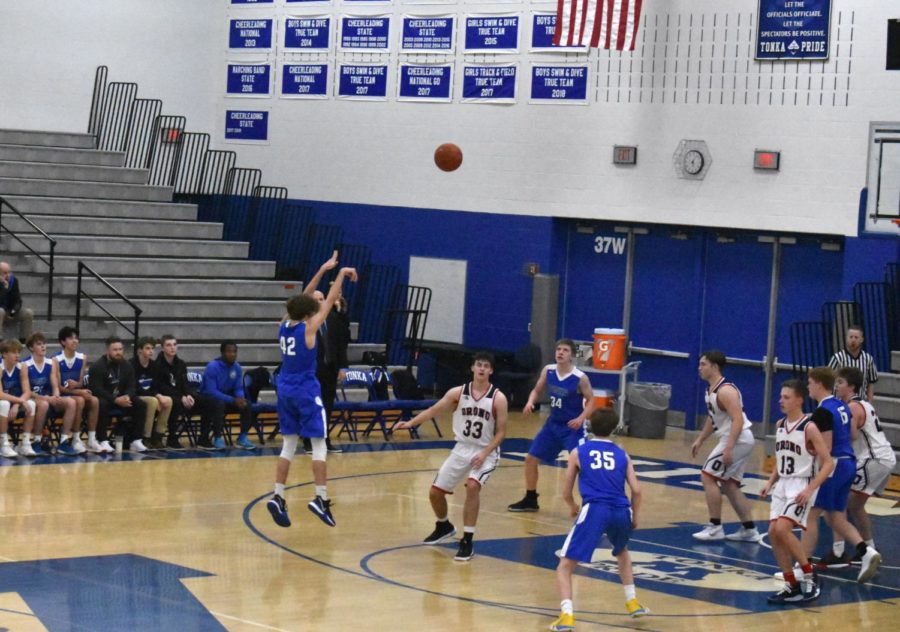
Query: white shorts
point(871, 477)
point(458, 467)
point(6, 406)
point(715, 463)
point(783, 505)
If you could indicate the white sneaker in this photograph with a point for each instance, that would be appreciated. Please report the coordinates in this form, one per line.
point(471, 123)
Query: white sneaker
point(137, 446)
point(798, 573)
point(869, 565)
point(744, 535)
point(710, 533)
point(105, 447)
point(77, 445)
point(94, 446)
point(25, 449)
point(7, 451)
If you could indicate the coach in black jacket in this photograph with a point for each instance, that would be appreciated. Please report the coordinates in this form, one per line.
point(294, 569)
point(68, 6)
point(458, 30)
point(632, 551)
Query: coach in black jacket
point(111, 380)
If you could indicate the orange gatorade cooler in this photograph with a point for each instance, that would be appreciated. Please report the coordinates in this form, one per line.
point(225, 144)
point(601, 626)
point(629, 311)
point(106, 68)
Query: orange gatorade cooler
point(609, 349)
point(603, 398)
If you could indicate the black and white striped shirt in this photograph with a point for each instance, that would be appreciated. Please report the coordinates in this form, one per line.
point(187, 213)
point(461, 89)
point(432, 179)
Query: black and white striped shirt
point(864, 362)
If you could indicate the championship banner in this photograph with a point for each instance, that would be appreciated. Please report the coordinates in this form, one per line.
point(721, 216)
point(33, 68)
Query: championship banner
point(304, 81)
point(431, 82)
point(250, 3)
point(489, 84)
point(246, 125)
point(492, 33)
point(249, 34)
point(363, 82)
point(559, 84)
point(369, 33)
point(793, 29)
point(543, 27)
point(249, 80)
point(309, 33)
point(427, 34)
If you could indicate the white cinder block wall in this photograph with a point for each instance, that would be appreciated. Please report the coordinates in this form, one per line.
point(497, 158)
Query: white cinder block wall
point(692, 76)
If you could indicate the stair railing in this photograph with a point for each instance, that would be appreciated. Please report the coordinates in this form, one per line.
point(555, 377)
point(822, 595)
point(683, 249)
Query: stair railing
point(84, 268)
point(48, 261)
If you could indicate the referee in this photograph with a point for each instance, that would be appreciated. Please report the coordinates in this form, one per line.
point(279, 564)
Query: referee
point(853, 356)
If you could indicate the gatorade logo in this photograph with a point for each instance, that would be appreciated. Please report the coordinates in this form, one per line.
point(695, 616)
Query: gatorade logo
point(604, 348)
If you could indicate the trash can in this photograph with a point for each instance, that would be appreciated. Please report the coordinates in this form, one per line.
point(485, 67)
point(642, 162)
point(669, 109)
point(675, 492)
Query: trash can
point(647, 407)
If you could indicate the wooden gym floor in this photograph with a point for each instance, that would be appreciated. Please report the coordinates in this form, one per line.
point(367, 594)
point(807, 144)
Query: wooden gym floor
point(182, 541)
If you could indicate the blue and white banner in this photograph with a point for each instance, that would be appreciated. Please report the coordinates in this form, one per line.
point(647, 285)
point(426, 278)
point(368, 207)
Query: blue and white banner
point(250, 3)
point(427, 34)
point(489, 84)
point(793, 29)
point(304, 81)
point(307, 33)
point(249, 34)
point(364, 82)
point(543, 26)
point(559, 84)
point(249, 80)
point(420, 82)
point(246, 125)
point(492, 34)
point(369, 33)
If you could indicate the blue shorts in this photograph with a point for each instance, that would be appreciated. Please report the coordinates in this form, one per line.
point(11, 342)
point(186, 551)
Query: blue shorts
point(552, 438)
point(835, 491)
point(593, 521)
point(301, 413)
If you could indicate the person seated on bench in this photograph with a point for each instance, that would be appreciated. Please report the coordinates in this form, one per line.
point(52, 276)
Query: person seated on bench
point(159, 406)
point(223, 382)
point(44, 383)
point(111, 379)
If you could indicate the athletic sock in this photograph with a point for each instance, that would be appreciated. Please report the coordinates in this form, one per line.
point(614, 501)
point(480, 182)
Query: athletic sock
point(468, 534)
point(92, 435)
point(748, 525)
point(790, 578)
point(566, 606)
point(531, 494)
point(321, 492)
point(838, 548)
point(807, 569)
point(279, 489)
point(861, 549)
point(630, 592)
point(715, 521)
point(870, 543)
point(444, 519)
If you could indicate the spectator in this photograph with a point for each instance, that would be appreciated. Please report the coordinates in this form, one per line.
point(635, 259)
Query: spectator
point(70, 367)
point(112, 379)
point(185, 398)
point(223, 382)
point(44, 383)
point(159, 406)
point(15, 398)
point(854, 357)
point(11, 309)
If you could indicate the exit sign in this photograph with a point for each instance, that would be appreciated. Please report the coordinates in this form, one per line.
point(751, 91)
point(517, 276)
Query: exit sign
point(624, 155)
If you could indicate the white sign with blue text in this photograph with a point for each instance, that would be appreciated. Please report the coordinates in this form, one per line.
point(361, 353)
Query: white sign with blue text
point(249, 79)
point(793, 29)
point(427, 34)
point(304, 81)
point(425, 82)
point(559, 84)
point(368, 33)
point(246, 125)
point(249, 34)
point(486, 33)
point(493, 83)
point(364, 82)
point(308, 33)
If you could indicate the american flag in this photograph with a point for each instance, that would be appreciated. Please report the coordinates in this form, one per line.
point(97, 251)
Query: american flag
point(598, 23)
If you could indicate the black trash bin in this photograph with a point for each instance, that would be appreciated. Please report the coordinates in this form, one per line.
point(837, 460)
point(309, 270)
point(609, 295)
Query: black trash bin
point(647, 407)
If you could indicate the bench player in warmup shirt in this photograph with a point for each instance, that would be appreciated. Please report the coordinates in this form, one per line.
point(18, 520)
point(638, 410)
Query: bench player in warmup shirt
point(571, 402)
point(45, 389)
point(794, 483)
point(479, 426)
point(833, 420)
point(71, 366)
point(724, 467)
point(603, 469)
point(875, 459)
point(301, 412)
point(15, 398)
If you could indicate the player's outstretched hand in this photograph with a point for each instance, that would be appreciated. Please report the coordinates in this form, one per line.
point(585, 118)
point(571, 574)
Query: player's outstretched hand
point(695, 447)
point(350, 273)
point(529, 408)
point(401, 425)
point(803, 497)
point(331, 264)
point(575, 424)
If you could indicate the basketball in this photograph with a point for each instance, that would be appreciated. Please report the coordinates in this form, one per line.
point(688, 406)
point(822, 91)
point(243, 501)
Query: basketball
point(448, 157)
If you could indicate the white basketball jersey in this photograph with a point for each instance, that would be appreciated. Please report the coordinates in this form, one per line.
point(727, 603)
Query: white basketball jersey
point(870, 442)
point(792, 457)
point(473, 419)
point(720, 419)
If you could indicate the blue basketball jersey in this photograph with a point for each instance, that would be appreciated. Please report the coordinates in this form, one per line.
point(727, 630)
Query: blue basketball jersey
point(841, 443)
point(604, 469)
point(12, 381)
point(69, 369)
point(566, 403)
point(298, 364)
point(39, 379)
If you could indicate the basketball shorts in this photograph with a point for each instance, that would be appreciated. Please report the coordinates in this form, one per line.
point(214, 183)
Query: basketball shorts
point(835, 491)
point(458, 467)
point(715, 462)
point(24, 411)
point(302, 413)
point(783, 504)
point(592, 522)
point(552, 438)
point(871, 476)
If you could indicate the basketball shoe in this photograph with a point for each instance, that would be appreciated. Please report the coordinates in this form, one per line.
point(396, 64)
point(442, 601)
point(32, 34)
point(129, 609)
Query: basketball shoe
point(710, 533)
point(635, 609)
point(322, 508)
point(744, 535)
point(527, 504)
point(788, 594)
point(832, 561)
point(564, 623)
point(278, 508)
point(465, 552)
point(809, 586)
point(868, 565)
point(443, 530)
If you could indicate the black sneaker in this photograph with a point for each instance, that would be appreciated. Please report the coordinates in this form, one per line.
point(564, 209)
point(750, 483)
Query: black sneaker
point(278, 508)
point(787, 594)
point(442, 531)
point(465, 552)
point(322, 508)
point(529, 504)
point(205, 445)
point(332, 449)
point(832, 561)
point(174, 444)
point(810, 586)
point(307, 444)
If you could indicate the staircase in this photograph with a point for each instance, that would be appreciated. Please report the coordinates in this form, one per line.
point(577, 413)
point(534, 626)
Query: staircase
point(179, 271)
point(887, 404)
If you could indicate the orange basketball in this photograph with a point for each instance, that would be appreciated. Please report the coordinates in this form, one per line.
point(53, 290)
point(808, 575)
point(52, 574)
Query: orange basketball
point(448, 157)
